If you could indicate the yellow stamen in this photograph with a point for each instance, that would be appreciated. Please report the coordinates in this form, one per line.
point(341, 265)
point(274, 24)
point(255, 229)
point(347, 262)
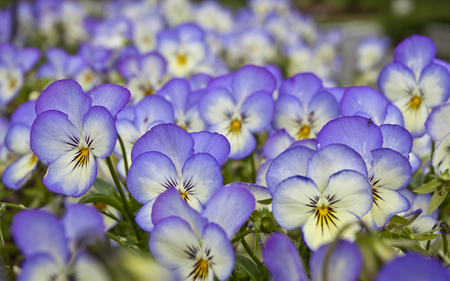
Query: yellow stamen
point(304, 132)
point(200, 270)
point(13, 83)
point(324, 214)
point(82, 157)
point(100, 206)
point(415, 102)
point(149, 91)
point(184, 194)
point(235, 126)
point(182, 59)
point(88, 77)
point(33, 160)
point(183, 127)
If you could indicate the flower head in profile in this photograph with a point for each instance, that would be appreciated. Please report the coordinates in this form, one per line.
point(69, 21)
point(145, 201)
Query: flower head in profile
point(437, 127)
point(414, 82)
point(72, 129)
point(168, 156)
point(238, 105)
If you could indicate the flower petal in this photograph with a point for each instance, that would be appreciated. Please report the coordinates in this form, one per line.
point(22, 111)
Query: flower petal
point(151, 109)
point(416, 52)
point(282, 259)
point(250, 79)
point(397, 138)
point(168, 139)
point(395, 81)
point(258, 110)
point(356, 132)
point(212, 143)
point(215, 105)
point(435, 84)
point(19, 172)
point(170, 242)
point(110, 96)
point(144, 216)
point(389, 169)
point(414, 118)
point(66, 96)
point(292, 162)
point(290, 202)
point(51, 134)
point(39, 232)
point(176, 91)
point(441, 155)
point(394, 116)
point(303, 86)
point(289, 114)
point(153, 65)
point(277, 143)
point(345, 262)
point(230, 207)
point(99, 128)
point(40, 267)
point(438, 122)
point(332, 159)
point(149, 175)
point(18, 139)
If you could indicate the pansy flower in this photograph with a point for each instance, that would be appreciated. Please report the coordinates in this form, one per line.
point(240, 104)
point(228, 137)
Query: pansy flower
point(183, 47)
point(414, 83)
point(144, 74)
point(54, 248)
point(72, 129)
point(302, 108)
point(384, 150)
point(14, 63)
point(319, 191)
point(168, 156)
point(18, 141)
point(438, 128)
point(189, 247)
point(238, 105)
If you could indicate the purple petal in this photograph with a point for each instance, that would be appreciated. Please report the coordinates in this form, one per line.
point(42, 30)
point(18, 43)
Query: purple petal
point(277, 143)
point(344, 264)
point(176, 91)
point(304, 86)
point(395, 81)
point(153, 65)
point(250, 79)
point(397, 138)
point(434, 83)
point(258, 109)
point(112, 97)
point(168, 139)
point(292, 162)
point(28, 58)
point(39, 232)
point(213, 143)
point(66, 96)
point(282, 259)
point(416, 52)
point(356, 132)
point(151, 109)
point(230, 207)
point(364, 99)
point(100, 131)
point(394, 116)
point(24, 114)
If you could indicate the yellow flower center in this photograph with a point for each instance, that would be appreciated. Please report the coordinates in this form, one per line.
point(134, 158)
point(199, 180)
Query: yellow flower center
point(184, 194)
point(181, 59)
point(324, 215)
point(13, 83)
point(82, 157)
point(304, 131)
point(235, 126)
point(148, 91)
point(88, 77)
point(100, 206)
point(415, 102)
point(200, 270)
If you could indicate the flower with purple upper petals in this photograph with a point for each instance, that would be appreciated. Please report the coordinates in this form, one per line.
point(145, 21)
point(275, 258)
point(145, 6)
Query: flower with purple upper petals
point(112, 33)
point(144, 74)
point(370, 52)
point(18, 141)
point(319, 191)
point(302, 109)
point(438, 128)
point(71, 129)
point(368, 102)
point(384, 150)
point(239, 104)
point(224, 214)
point(54, 249)
point(183, 47)
point(413, 267)
point(4, 126)
point(414, 83)
point(168, 156)
point(177, 91)
point(14, 63)
point(145, 29)
point(149, 112)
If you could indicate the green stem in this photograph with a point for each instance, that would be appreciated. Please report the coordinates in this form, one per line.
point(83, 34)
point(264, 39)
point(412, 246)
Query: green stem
point(256, 241)
point(124, 154)
point(1, 234)
point(433, 146)
point(241, 235)
point(119, 241)
point(124, 200)
point(252, 160)
point(13, 206)
point(251, 254)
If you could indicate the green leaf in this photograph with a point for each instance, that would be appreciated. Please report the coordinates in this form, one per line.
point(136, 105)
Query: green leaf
point(428, 187)
point(400, 220)
point(105, 199)
point(445, 242)
point(6, 274)
point(248, 267)
point(436, 200)
point(407, 231)
point(265, 201)
point(104, 187)
point(427, 237)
